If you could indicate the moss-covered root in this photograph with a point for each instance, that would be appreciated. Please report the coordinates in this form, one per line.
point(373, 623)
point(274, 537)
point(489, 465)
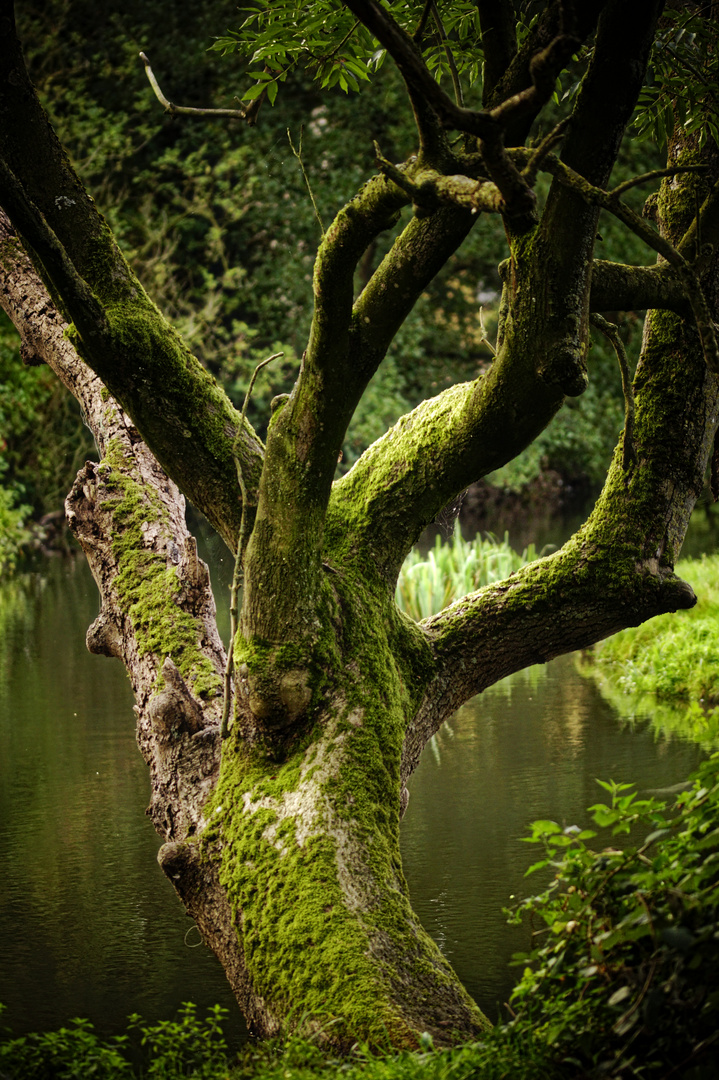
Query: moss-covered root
point(310, 862)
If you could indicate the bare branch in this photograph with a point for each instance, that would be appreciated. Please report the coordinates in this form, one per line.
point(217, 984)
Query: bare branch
point(617, 287)
point(298, 154)
point(539, 153)
point(183, 110)
point(611, 332)
point(655, 174)
point(237, 573)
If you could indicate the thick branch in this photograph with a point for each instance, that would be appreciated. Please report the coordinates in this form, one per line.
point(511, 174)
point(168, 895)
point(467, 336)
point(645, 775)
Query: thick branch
point(604, 108)
point(415, 258)
point(565, 602)
point(686, 273)
point(402, 481)
point(499, 43)
point(616, 287)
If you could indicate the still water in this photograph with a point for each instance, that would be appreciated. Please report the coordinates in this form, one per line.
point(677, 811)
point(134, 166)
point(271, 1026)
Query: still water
point(89, 926)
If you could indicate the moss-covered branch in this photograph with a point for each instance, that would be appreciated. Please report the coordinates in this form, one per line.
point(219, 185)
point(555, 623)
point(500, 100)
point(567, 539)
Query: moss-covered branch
point(488, 126)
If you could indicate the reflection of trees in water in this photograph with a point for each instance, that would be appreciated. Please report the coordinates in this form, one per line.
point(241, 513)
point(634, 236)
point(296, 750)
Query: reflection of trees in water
point(17, 615)
point(667, 720)
point(530, 747)
point(94, 928)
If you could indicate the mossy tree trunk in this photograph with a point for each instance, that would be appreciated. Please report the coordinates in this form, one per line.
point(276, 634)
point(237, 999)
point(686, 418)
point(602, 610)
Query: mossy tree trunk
point(283, 839)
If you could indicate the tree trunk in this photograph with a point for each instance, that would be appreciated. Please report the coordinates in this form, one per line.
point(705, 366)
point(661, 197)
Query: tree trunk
point(283, 839)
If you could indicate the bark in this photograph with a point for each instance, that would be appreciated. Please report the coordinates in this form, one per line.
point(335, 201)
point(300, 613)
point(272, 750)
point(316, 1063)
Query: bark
point(283, 839)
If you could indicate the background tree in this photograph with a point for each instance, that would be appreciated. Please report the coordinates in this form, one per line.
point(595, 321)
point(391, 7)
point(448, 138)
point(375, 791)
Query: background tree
point(282, 838)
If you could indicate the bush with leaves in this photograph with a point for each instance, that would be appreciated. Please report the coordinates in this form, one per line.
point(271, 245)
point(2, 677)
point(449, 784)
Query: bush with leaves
point(621, 979)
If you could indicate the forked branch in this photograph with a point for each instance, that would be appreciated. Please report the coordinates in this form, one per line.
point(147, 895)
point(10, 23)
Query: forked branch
point(684, 270)
point(249, 115)
point(489, 127)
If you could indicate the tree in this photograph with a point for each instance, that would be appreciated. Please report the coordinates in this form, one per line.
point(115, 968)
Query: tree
point(279, 771)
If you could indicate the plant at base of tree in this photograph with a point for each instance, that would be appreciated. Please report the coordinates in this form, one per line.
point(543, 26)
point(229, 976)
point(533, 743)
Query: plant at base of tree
point(283, 838)
point(622, 976)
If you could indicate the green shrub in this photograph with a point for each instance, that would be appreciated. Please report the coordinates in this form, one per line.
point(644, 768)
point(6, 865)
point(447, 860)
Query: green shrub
point(622, 977)
point(169, 1050)
point(619, 981)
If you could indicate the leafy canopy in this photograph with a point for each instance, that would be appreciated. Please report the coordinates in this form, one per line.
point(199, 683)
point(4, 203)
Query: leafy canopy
point(326, 40)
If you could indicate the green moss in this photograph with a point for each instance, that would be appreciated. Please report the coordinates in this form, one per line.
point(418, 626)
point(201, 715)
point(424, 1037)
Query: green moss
point(317, 887)
point(148, 588)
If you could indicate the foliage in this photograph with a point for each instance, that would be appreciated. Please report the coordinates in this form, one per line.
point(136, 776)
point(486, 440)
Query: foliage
point(327, 40)
point(621, 980)
point(682, 80)
point(430, 581)
point(168, 1050)
point(218, 223)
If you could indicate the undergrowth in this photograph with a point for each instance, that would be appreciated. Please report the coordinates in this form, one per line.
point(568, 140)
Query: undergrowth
point(619, 979)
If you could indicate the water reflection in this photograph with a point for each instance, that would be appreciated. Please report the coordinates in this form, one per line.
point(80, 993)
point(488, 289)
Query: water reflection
point(90, 926)
point(531, 747)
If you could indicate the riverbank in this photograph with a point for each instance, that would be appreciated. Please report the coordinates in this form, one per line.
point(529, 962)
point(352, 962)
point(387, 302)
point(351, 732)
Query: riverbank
point(667, 669)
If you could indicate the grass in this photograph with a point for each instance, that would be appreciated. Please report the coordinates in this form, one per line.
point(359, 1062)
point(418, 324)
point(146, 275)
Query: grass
point(668, 668)
point(429, 582)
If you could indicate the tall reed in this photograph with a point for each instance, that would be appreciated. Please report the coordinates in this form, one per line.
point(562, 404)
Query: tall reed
point(429, 582)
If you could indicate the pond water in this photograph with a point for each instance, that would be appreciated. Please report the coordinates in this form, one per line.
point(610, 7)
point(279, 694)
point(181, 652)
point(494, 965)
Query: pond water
point(89, 926)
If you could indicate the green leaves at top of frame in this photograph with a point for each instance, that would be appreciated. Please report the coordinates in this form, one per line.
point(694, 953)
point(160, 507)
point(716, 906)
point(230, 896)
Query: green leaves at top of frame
point(682, 82)
point(324, 38)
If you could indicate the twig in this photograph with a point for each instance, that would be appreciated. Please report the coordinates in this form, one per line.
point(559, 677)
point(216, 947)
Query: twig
point(238, 114)
point(484, 340)
point(655, 174)
point(237, 573)
point(333, 52)
point(611, 331)
point(539, 153)
point(395, 174)
point(298, 155)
